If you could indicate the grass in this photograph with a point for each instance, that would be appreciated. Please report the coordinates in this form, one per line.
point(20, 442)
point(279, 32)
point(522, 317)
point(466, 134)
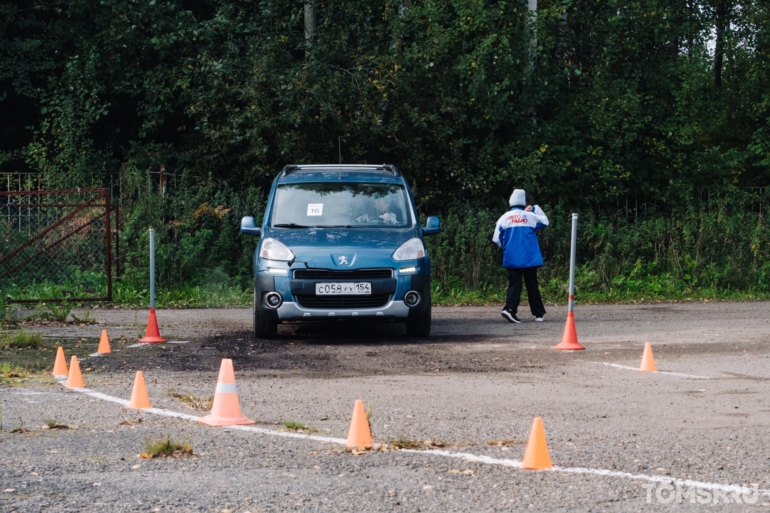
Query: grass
point(293, 425)
point(8, 370)
point(22, 340)
point(88, 318)
point(55, 424)
point(501, 443)
point(406, 443)
point(193, 401)
point(165, 448)
point(554, 292)
point(58, 312)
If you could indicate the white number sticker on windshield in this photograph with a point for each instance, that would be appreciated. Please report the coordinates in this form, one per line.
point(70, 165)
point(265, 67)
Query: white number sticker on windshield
point(315, 209)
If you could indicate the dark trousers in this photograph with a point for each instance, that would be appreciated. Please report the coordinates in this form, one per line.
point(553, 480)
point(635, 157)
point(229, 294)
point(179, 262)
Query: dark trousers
point(533, 292)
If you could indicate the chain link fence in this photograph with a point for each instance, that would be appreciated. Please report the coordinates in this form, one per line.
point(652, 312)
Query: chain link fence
point(57, 245)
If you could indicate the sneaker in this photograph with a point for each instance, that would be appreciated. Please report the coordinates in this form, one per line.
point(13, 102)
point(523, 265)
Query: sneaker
point(538, 319)
point(510, 316)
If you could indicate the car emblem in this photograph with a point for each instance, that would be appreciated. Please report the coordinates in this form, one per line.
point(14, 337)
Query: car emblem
point(343, 260)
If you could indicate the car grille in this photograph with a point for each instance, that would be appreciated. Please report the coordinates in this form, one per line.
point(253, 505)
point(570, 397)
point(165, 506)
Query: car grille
point(331, 274)
point(329, 302)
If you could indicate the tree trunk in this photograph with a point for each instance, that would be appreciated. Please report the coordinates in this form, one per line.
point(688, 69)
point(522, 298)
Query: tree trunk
point(719, 50)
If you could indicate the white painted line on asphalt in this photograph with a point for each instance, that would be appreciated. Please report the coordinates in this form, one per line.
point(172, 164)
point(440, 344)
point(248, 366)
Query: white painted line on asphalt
point(178, 342)
point(598, 472)
point(475, 458)
point(288, 434)
point(656, 372)
point(138, 345)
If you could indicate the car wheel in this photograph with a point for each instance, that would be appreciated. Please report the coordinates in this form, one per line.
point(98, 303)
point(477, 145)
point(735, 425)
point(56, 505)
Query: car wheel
point(263, 328)
point(419, 327)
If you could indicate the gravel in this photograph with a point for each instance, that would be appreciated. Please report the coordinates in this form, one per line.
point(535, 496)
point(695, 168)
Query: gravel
point(478, 380)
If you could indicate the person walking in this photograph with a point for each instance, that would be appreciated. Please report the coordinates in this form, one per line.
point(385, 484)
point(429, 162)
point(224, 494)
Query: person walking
point(516, 232)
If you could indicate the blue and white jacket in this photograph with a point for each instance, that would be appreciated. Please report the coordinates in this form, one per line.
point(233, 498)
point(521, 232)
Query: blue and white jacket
point(515, 232)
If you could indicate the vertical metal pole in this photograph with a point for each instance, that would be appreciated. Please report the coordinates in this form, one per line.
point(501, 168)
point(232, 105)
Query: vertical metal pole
point(108, 242)
point(152, 268)
point(572, 258)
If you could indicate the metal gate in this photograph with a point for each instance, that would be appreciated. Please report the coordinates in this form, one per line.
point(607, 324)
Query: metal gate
point(57, 245)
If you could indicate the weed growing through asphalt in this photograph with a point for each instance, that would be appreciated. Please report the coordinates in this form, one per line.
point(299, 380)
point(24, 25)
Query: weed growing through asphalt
point(22, 340)
point(7, 370)
point(369, 414)
point(501, 443)
point(193, 401)
point(54, 424)
point(418, 445)
point(88, 318)
point(19, 428)
point(58, 312)
point(165, 448)
point(293, 425)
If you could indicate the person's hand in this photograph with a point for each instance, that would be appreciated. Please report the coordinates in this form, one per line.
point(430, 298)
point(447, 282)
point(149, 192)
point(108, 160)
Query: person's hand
point(528, 209)
point(386, 217)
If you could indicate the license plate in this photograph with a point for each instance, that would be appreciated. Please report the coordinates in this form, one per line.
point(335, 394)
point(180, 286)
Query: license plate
point(343, 289)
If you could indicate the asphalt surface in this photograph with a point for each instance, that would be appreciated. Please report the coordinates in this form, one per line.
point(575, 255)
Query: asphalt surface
point(477, 382)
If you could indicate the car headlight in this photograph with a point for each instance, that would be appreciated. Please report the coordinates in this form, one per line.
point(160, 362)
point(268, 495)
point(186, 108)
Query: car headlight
point(274, 250)
point(410, 250)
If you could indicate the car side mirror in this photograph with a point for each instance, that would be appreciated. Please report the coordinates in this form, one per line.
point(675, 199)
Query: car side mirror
point(249, 226)
point(432, 226)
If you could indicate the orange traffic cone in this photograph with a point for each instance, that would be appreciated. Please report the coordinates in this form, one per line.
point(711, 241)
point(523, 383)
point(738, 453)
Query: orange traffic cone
point(104, 344)
point(569, 340)
point(648, 362)
point(152, 335)
point(226, 410)
point(359, 434)
point(60, 365)
point(75, 378)
point(139, 398)
point(536, 456)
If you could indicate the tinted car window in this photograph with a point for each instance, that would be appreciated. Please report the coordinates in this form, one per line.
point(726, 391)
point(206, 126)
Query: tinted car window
point(340, 204)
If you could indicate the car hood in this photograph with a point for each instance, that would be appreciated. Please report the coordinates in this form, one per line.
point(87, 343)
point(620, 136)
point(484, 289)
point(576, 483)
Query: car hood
point(343, 248)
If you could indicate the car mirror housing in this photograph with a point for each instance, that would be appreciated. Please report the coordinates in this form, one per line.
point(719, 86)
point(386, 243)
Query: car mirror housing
point(249, 226)
point(432, 226)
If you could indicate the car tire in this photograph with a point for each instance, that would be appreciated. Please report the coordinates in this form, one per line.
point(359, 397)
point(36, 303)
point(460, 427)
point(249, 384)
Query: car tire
point(419, 327)
point(263, 328)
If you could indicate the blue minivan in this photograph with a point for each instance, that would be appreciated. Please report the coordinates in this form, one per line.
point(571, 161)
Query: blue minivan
point(341, 243)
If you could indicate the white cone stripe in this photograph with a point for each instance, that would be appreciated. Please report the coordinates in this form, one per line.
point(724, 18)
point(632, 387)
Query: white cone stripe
point(477, 458)
point(227, 388)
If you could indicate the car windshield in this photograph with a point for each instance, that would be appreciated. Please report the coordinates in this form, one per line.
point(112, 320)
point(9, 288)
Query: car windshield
point(348, 205)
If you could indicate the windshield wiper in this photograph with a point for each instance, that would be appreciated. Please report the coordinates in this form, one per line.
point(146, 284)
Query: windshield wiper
point(336, 226)
point(291, 225)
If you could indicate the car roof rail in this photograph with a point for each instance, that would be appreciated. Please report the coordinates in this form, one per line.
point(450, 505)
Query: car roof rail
point(292, 168)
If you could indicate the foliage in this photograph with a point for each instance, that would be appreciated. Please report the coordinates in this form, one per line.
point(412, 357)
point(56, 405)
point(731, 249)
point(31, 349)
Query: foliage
point(9, 370)
point(22, 340)
point(165, 448)
point(590, 106)
point(293, 425)
point(716, 248)
point(58, 312)
point(587, 101)
point(193, 401)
